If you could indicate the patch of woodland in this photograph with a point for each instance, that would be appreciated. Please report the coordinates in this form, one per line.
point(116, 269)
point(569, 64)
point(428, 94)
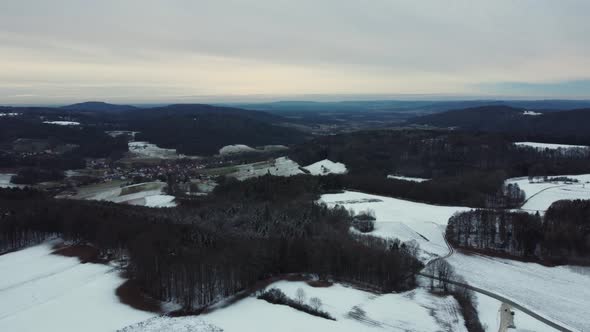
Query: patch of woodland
point(560, 236)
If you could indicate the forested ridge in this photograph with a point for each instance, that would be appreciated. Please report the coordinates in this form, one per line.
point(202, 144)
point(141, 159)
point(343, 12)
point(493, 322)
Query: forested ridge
point(565, 126)
point(465, 168)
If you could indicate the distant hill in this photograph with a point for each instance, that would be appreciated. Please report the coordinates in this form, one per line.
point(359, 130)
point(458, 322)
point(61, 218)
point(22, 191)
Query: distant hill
point(203, 129)
point(193, 129)
point(564, 126)
point(97, 106)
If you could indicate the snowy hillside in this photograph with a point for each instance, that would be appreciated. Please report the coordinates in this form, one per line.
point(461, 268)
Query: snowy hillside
point(324, 167)
point(282, 166)
point(145, 194)
point(561, 293)
point(149, 150)
point(540, 195)
point(44, 292)
point(416, 310)
point(543, 146)
point(405, 220)
point(406, 178)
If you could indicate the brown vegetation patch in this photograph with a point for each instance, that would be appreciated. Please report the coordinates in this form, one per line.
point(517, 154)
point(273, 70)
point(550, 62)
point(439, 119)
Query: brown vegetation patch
point(130, 294)
point(85, 253)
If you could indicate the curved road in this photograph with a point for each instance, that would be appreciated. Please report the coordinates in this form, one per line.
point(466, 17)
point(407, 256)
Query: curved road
point(498, 297)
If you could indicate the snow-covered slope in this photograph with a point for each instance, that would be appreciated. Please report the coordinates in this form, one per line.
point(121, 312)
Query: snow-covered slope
point(144, 194)
point(44, 292)
point(487, 309)
point(560, 293)
point(406, 178)
point(282, 166)
point(540, 195)
point(324, 167)
point(405, 220)
point(416, 310)
point(63, 123)
point(543, 146)
point(236, 148)
point(5, 181)
point(149, 150)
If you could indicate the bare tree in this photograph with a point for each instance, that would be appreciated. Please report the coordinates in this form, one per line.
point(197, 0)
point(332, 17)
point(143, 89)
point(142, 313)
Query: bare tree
point(315, 303)
point(300, 295)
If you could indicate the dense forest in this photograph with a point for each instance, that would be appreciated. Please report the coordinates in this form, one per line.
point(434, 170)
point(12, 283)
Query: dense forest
point(217, 245)
point(566, 127)
point(192, 129)
point(26, 141)
point(465, 168)
point(561, 235)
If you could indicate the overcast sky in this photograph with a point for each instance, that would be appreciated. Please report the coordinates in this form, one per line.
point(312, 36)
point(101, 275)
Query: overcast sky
point(137, 51)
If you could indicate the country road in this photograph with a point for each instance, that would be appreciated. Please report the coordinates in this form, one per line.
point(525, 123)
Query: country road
point(555, 325)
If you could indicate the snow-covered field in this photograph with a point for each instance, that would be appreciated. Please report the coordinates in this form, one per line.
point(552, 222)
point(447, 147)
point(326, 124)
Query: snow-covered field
point(543, 146)
point(406, 178)
point(405, 220)
point(559, 293)
point(149, 150)
point(44, 292)
point(532, 113)
point(63, 123)
point(282, 166)
point(489, 316)
point(540, 195)
point(145, 194)
point(416, 310)
point(324, 167)
point(236, 148)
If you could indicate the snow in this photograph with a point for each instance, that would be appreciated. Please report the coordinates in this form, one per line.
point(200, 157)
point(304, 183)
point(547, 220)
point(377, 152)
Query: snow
point(487, 308)
point(9, 114)
point(149, 150)
point(326, 166)
point(532, 113)
point(145, 194)
point(237, 148)
point(406, 178)
point(63, 123)
point(559, 293)
point(551, 146)
point(416, 310)
point(44, 292)
point(405, 220)
point(117, 133)
point(5, 179)
point(540, 195)
point(160, 201)
point(282, 166)
point(172, 324)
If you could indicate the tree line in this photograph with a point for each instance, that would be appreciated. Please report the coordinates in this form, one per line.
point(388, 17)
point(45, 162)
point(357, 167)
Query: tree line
point(562, 235)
